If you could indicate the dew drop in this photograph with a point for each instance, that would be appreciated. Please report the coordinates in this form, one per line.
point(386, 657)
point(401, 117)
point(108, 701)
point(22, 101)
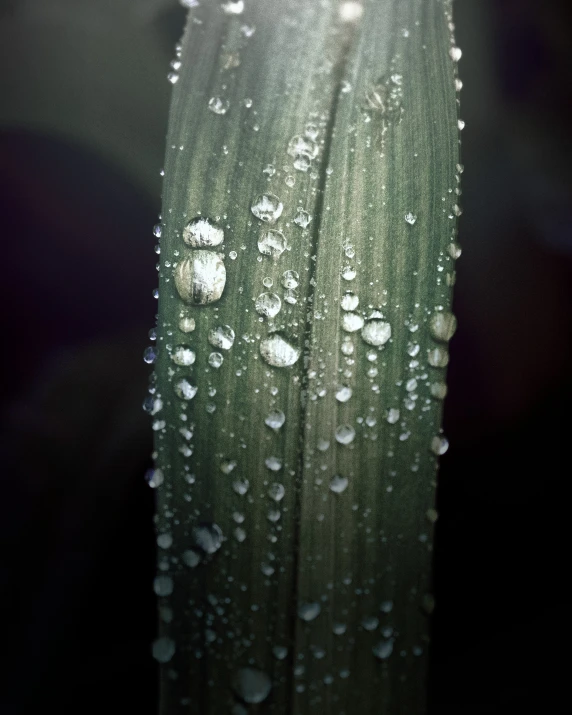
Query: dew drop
point(163, 585)
point(241, 486)
point(208, 537)
point(276, 492)
point(267, 208)
point(222, 337)
point(275, 419)
point(351, 322)
point(376, 332)
point(350, 11)
point(439, 390)
point(219, 105)
point(454, 250)
point(349, 301)
point(279, 652)
point(173, 77)
point(163, 649)
point(150, 355)
point(200, 279)
point(438, 357)
point(290, 279)
point(268, 305)
point(343, 393)
point(183, 356)
point(157, 230)
point(392, 416)
point(309, 611)
point(251, 685)
point(278, 352)
point(410, 218)
point(383, 649)
point(185, 390)
point(345, 434)
point(455, 54)
point(370, 623)
point(439, 445)
point(443, 325)
point(338, 484)
point(201, 232)
point(302, 218)
point(272, 243)
point(273, 463)
point(303, 146)
point(233, 7)
point(191, 558)
point(348, 273)
point(164, 541)
point(154, 478)
point(186, 324)
point(215, 360)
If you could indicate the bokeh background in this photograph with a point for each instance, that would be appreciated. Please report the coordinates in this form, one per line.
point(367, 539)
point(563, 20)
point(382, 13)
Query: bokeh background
point(83, 111)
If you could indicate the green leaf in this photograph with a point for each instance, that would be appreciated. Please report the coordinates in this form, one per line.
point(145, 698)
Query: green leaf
point(299, 554)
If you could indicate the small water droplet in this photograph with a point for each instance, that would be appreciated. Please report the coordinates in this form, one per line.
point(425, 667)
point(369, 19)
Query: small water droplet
point(222, 337)
point(348, 273)
point(279, 652)
point(392, 416)
point(439, 445)
point(383, 649)
point(345, 434)
point(276, 492)
point(154, 478)
point(309, 611)
point(191, 558)
point(164, 541)
point(290, 279)
point(278, 352)
point(273, 463)
point(272, 243)
point(173, 77)
point(233, 7)
point(343, 393)
point(439, 390)
point(338, 484)
point(370, 623)
point(183, 356)
point(186, 324)
point(218, 105)
point(215, 360)
point(241, 486)
point(200, 279)
point(251, 685)
point(302, 218)
point(438, 357)
point(185, 390)
point(275, 419)
point(350, 11)
point(268, 305)
point(454, 250)
point(376, 332)
point(443, 325)
point(208, 537)
point(455, 54)
point(302, 146)
point(349, 301)
point(157, 230)
point(163, 585)
point(410, 218)
point(150, 355)
point(267, 208)
point(201, 232)
point(351, 322)
point(163, 649)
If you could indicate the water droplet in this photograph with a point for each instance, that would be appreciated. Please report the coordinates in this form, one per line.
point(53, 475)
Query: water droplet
point(164, 541)
point(222, 337)
point(302, 146)
point(461, 125)
point(392, 416)
point(352, 322)
point(239, 534)
point(267, 208)
point(278, 352)
point(273, 463)
point(267, 282)
point(163, 649)
point(302, 218)
point(241, 486)
point(233, 7)
point(386, 606)
point(455, 54)
point(268, 304)
point(370, 623)
point(301, 163)
point(290, 297)
point(219, 105)
point(185, 390)
point(191, 558)
point(150, 355)
point(157, 230)
point(410, 218)
point(454, 250)
point(376, 332)
point(186, 324)
point(323, 445)
point(348, 273)
point(350, 11)
point(215, 360)
point(443, 325)
point(275, 419)
point(227, 466)
point(201, 278)
point(276, 491)
point(439, 390)
point(439, 445)
point(183, 356)
point(251, 685)
point(338, 484)
point(272, 243)
point(343, 393)
point(208, 537)
point(383, 649)
point(154, 478)
point(438, 357)
point(202, 232)
point(347, 347)
point(173, 77)
point(308, 611)
point(345, 434)
point(163, 585)
point(290, 279)
point(279, 652)
point(349, 301)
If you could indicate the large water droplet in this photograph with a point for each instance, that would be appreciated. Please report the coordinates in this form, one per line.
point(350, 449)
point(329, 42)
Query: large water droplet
point(350, 11)
point(443, 325)
point(183, 356)
point(302, 218)
point(186, 324)
point(348, 273)
point(439, 445)
point(200, 279)
point(221, 337)
point(308, 611)
point(343, 393)
point(352, 322)
point(185, 390)
point(267, 208)
point(345, 434)
point(278, 352)
point(150, 355)
point(349, 301)
point(438, 357)
point(455, 54)
point(439, 390)
point(338, 484)
point(202, 232)
point(272, 243)
point(251, 685)
point(376, 332)
point(163, 649)
point(279, 652)
point(208, 537)
point(268, 304)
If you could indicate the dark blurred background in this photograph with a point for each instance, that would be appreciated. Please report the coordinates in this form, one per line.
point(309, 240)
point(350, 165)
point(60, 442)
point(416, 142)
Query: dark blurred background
point(83, 111)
